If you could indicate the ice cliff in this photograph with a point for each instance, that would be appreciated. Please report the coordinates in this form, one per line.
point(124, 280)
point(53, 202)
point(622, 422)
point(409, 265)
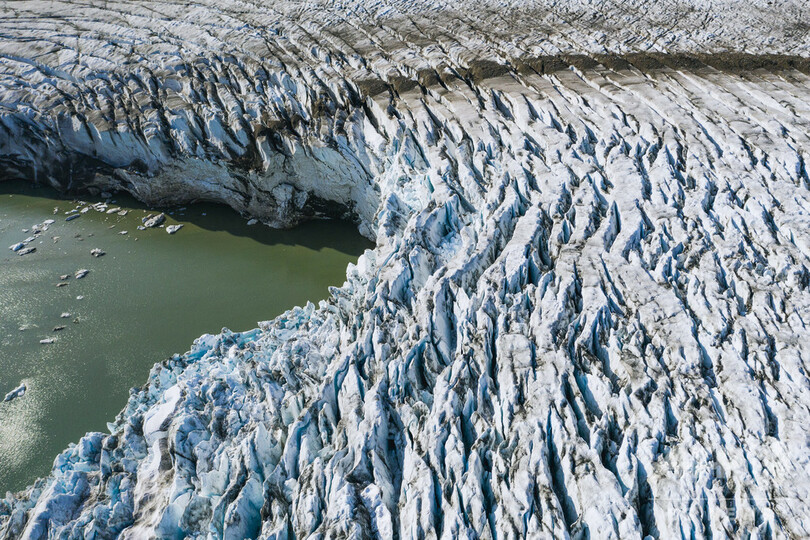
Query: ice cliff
point(584, 315)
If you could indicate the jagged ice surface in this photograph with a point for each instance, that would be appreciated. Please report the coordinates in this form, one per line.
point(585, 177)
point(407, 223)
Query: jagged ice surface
point(584, 316)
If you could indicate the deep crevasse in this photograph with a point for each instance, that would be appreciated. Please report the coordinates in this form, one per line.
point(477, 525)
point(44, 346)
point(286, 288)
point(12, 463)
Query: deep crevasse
point(584, 314)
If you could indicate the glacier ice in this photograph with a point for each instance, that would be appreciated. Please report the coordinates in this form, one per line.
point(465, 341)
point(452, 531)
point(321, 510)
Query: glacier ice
point(584, 314)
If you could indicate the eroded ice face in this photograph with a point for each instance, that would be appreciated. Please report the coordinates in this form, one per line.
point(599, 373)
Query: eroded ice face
point(148, 297)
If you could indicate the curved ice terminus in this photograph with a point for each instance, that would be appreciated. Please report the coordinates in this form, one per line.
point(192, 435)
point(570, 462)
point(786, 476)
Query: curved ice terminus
point(585, 312)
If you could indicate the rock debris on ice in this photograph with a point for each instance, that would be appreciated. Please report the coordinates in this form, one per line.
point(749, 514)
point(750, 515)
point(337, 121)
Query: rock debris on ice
point(584, 315)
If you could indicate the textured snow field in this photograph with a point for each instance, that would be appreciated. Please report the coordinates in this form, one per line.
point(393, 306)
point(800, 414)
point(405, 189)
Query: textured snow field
point(584, 316)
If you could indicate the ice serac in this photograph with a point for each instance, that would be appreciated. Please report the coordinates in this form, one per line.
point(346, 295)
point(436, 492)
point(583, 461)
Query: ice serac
point(584, 315)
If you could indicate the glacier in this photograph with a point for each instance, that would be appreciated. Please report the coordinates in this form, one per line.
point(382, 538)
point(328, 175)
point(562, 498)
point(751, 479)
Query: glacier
point(584, 314)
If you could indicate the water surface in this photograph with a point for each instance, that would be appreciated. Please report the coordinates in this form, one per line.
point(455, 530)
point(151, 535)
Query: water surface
point(150, 296)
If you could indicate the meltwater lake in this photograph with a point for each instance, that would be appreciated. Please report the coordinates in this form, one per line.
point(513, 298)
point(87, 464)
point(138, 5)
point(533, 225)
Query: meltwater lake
point(149, 296)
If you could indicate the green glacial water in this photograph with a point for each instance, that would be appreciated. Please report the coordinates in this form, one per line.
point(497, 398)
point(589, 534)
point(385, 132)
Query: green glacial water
point(150, 296)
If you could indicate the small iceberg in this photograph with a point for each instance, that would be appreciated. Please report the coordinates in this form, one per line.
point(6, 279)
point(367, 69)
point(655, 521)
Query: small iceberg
point(16, 393)
point(81, 273)
point(154, 221)
point(171, 229)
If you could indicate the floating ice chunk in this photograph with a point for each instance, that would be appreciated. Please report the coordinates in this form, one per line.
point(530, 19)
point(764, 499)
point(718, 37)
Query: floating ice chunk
point(252, 221)
point(96, 252)
point(17, 247)
point(154, 221)
point(81, 273)
point(47, 341)
point(171, 229)
point(16, 393)
point(26, 251)
point(71, 217)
